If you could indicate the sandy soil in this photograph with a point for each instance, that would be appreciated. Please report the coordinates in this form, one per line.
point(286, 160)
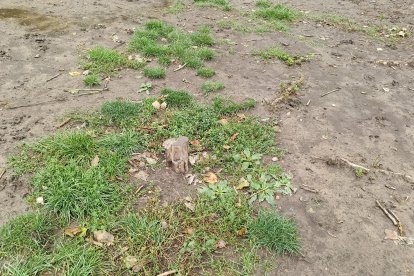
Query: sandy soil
point(369, 121)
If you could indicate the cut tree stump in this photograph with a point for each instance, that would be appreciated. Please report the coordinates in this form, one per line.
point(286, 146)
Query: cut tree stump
point(177, 153)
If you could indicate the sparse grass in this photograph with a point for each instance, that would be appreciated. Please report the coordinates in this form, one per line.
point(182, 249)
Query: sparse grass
point(79, 190)
point(164, 42)
point(205, 72)
point(177, 98)
point(211, 86)
point(277, 53)
point(154, 72)
point(277, 12)
point(91, 80)
point(104, 61)
point(214, 3)
point(176, 7)
point(274, 232)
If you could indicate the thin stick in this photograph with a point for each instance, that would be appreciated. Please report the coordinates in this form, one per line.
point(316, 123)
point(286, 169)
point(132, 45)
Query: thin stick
point(389, 187)
point(54, 77)
point(64, 123)
point(309, 189)
point(168, 273)
point(353, 165)
point(35, 104)
point(332, 91)
point(92, 92)
point(387, 213)
point(2, 172)
point(180, 67)
point(139, 189)
point(394, 215)
point(307, 104)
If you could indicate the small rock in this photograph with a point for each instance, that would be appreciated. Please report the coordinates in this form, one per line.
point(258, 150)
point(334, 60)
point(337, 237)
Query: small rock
point(311, 211)
point(163, 105)
point(40, 200)
point(275, 159)
point(86, 72)
point(156, 105)
point(103, 237)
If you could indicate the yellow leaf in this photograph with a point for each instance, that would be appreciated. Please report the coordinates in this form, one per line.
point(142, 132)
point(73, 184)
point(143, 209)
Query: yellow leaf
point(242, 232)
point(74, 73)
point(210, 178)
point(242, 184)
point(76, 231)
point(223, 121)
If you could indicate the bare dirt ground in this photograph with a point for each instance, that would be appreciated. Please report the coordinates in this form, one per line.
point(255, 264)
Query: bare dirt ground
point(369, 121)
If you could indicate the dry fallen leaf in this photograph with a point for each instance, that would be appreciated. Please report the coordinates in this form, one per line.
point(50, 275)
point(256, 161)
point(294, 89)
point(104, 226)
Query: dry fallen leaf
point(103, 237)
point(188, 231)
point(226, 147)
point(241, 116)
point(220, 244)
point(74, 73)
point(234, 136)
point(390, 235)
point(210, 178)
point(76, 231)
point(141, 175)
point(242, 232)
point(223, 121)
point(190, 206)
point(243, 183)
point(195, 142)
point(95, 161)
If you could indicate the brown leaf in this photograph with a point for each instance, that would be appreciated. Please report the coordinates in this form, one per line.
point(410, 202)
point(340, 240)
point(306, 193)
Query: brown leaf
point(223, 121)
point(220, 244)
point(95, 161)
point(188, 231)
point(195, 142)
point(234, 136)
point(241, 116)
point(103, 237)
point(210, 178)
point(242, 232)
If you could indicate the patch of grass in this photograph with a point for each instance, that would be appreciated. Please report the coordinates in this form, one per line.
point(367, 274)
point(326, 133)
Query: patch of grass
point(154, 72)
point(26, 235)
point(164, 42)
point(104, 61)
point(205, 72)
point(274, 232)
point(232, 24)
point(277, 12)
point(176, 7)
point(177, 98)
point(214, 3)
point(224, 107)
point(91, 80)
point(277, 53)
point(212, 86)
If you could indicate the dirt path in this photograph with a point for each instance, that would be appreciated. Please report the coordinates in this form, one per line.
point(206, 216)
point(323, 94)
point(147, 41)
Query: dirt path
point(368, 121)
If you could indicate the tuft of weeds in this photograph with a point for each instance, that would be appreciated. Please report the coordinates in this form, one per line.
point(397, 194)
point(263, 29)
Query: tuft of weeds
point(274, 232)
point(164, 42)
point(154, 72)
point(177, 98)
point(176, 7)
point(224, 107)
point(104, 61)
point(277, 12)
point(91, 80)
point(282, 55)
point(211, 86)
point(214, 3)
point(205, 72)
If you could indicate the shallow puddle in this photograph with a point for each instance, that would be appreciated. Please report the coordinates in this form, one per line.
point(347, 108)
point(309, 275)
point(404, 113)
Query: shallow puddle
point(32, 20)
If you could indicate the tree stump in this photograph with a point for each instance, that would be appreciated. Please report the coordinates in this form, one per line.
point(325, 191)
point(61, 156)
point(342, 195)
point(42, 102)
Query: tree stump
point(177, 153)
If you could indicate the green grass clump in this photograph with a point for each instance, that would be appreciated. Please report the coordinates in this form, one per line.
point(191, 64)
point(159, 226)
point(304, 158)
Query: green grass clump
point(224, 107)
point(104, 61)
point(154, 72)
point(126, 113)
point(91, 80)
point(211, 86)
point(176, 7)
point(277, 53)
point(166, 43)
point(26, 234)
point(277, 12)
point(177, 98)
point(214, 3)
point(263, 4)
point(275, 232)
point(205, 72)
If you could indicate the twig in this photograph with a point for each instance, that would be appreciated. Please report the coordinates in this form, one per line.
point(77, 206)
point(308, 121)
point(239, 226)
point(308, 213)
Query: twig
point(36, 104)
point(2, 172)
point(355, 166)
point(54, 77)
point(405, 176)
point(394, 221)
point(139, 189)
point(64, 123)
point(332, 235)
point(180, 67)
point(389, 187)
point(332, 91)
point(307, 104)
point(309, 189)
point(168, 273)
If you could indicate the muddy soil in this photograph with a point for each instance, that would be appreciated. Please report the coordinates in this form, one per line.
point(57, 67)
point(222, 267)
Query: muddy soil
point(368, 121)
